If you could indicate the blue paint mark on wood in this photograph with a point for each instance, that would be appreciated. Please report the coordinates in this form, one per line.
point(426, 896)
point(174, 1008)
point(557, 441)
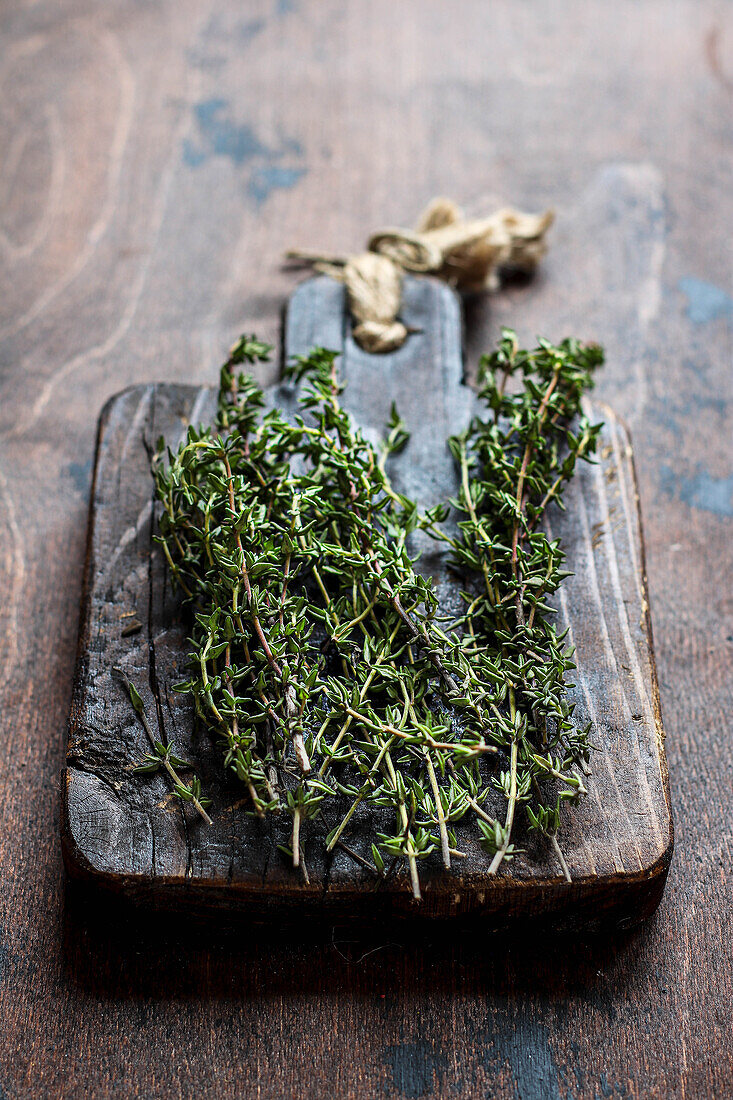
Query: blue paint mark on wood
point(699, 490)
point(250, 29)
point(576, 1067)
point(525, 1046)
point(80, 474)
point(192, 156)
point(264, 181)
point(611, 1088)
point(222, 136)
point(705, 301)
point(416, 1068)
point(272, 167)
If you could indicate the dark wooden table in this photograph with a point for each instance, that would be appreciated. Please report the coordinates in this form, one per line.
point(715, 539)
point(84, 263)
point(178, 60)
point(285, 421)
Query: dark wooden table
point(157, 160)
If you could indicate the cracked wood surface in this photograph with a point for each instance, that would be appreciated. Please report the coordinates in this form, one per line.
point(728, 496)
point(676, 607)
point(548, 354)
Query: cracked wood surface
point(157, 160)
point(126, 833)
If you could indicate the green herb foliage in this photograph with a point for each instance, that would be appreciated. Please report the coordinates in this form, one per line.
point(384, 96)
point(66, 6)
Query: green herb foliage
point(319, 656)
point(163, 757)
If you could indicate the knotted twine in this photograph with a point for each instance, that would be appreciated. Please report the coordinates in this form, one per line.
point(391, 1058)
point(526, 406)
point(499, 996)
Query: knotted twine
point(467, 253)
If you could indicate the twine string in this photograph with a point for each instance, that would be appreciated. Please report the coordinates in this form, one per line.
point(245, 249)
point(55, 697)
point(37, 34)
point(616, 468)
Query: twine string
point(467, 253)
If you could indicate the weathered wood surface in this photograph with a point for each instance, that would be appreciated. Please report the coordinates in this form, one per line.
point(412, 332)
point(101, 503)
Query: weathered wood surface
point(141, 225)
point(126, 833)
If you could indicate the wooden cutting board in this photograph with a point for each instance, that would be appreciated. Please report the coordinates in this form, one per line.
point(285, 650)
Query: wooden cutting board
point(127, 833)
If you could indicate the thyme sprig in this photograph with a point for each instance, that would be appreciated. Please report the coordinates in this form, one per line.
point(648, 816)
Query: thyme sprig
point(319, 657)
point(162, 756)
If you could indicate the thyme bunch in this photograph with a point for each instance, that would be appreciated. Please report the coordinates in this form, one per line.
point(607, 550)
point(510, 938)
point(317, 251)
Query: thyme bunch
point(319, 657)
point(513, 465)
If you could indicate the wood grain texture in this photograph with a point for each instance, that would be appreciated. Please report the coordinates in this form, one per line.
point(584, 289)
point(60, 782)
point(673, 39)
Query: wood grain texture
point(156, 161)
point(126, 834)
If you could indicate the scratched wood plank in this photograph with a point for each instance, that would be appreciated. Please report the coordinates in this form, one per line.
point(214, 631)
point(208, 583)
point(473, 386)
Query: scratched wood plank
point(127, 833)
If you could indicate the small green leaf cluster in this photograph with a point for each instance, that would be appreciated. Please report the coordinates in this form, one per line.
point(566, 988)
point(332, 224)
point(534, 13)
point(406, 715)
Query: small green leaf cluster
point(162, 755)
point(154, 761)
point(319, 657)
